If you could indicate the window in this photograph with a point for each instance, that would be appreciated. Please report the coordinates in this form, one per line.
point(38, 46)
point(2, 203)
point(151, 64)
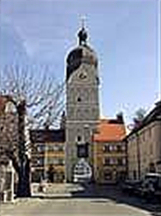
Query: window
point(113, 161)
point(79, 138)
point(106, 148)
point(40, 147)
point(143, 136)
point(61, 147)
point(79, 99)
point(56, 148)
point(119, 149)
point(114, 147)
point(149, 132)
point(56, 161)
point(107, 175)
point(121, 161)
point(124, 161)
point(123, 147)
point(50, 160)
point(40, 161)
point(1, 128)
point(82, 150)
point(106, 161)
point(61, 161)
point(110, 161)
point(151, 149)
point(111, 148)
point(53, 147)
point(50, 148)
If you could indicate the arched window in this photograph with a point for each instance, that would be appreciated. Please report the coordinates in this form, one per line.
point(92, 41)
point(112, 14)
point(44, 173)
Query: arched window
point(79, 99)
point(79, 138)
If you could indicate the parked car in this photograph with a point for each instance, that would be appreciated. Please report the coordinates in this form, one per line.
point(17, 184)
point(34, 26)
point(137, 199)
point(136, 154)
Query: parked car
point(138, 188)
point(131, 186)
point(151, 186)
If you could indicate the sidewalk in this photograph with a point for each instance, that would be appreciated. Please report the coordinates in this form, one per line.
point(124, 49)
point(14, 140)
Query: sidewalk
point(53, 190)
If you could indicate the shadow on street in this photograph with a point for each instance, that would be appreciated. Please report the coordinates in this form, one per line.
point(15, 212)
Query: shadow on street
point(104, 194)
point(114, 193)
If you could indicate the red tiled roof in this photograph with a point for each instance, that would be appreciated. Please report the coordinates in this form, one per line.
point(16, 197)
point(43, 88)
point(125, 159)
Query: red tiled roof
point(107, 130)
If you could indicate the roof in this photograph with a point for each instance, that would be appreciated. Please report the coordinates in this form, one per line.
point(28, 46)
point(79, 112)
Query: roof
point(109, 130)
point(153, 115)
point(80, 54)
point(47, 135)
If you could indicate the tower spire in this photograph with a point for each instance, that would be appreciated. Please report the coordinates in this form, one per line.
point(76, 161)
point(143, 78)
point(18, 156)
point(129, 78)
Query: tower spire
point(82, 34)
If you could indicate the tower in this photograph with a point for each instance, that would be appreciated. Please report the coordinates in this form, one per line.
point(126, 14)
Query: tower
point(82, 106)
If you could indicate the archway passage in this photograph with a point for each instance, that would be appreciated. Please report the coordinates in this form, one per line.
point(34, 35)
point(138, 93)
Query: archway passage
point(82, 171)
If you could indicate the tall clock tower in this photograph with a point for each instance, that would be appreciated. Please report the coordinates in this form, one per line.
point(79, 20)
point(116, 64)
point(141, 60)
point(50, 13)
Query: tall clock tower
point(82, 109)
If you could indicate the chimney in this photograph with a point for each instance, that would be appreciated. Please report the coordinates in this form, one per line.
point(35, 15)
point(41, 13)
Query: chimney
point(120, 119)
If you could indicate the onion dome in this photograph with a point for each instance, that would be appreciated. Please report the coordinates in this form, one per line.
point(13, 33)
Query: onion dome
point(81, 54)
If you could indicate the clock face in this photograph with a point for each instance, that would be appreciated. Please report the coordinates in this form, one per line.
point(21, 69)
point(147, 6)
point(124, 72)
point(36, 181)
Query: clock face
point(82, 75)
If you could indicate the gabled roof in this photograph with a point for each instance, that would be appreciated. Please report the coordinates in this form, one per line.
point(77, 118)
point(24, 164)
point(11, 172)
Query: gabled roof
point(109, 130)
point(46, 135)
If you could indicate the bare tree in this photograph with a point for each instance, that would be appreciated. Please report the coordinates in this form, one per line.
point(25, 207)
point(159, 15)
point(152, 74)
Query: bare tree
point(139, 116)
point(41, 91)
point(38, 101)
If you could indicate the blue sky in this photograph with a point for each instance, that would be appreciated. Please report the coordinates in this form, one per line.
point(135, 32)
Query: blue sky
point(124, 34)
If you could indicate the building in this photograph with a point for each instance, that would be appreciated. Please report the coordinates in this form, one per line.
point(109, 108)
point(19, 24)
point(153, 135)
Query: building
point(8, 144)
point(8, 128)
point(144, 145)
point(82, 106)
point(80, 121)
point(110, 152)
point(48, 155)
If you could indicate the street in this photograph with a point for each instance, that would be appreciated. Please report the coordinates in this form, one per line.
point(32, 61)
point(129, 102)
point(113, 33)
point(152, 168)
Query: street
point(85, 206)
point(94, 201)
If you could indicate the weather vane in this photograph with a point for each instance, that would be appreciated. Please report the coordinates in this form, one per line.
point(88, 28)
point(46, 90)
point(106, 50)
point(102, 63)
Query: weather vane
point(83, 19)
point(82, 33)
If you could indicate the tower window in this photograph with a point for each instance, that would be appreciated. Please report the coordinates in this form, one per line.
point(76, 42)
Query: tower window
point(79, 138)
point(82, 150)
point(79, 99)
